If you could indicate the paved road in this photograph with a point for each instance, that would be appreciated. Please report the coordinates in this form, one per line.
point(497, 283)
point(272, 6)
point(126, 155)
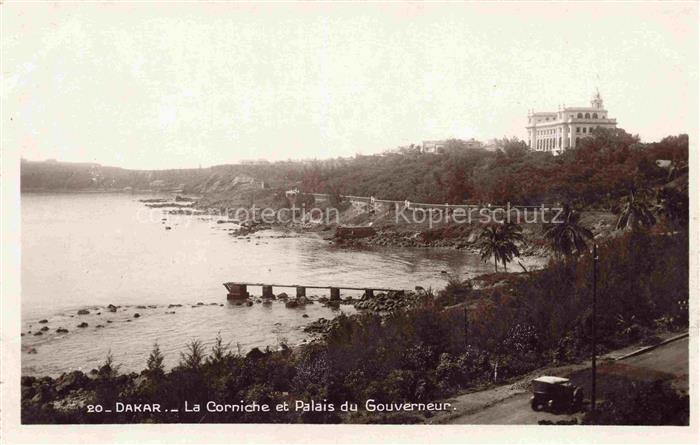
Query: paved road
point(670, 359)
point(668, 362)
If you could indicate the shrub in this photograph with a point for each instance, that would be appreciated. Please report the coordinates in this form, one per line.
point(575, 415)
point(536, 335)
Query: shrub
point(641, 403)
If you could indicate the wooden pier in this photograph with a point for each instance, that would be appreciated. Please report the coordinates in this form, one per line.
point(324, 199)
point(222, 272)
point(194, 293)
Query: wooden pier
point(237, 291)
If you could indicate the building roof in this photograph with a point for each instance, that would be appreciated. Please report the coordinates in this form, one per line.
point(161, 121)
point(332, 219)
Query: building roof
point(550, 379)
point(583, 109)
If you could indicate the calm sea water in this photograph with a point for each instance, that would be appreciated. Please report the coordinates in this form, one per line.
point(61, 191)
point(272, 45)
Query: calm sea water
point(85, 251)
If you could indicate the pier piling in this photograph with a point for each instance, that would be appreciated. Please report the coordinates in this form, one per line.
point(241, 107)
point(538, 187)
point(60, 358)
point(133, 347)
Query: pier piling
point(267, 292)
point(237, 291)
point(240, 290)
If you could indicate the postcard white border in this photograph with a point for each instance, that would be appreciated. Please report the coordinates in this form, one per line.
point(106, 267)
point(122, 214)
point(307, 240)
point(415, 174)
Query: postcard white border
point(11, 430)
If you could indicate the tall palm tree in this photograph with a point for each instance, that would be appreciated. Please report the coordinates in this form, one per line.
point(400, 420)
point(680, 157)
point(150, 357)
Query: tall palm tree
point(566, 236)
point(498, 241)
point(636, 212)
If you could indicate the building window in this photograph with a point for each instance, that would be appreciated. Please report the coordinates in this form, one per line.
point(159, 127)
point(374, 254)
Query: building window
point(588, 115)
point(584, 129)
point(578, 129)
point(579, 115)
point(595, 115)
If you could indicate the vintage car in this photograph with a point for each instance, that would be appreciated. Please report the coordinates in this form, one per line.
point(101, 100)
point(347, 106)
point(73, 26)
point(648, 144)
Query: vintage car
point(555, 394)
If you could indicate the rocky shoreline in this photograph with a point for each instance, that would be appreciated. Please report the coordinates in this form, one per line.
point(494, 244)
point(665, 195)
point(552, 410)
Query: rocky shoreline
point(74, 389)
point(94, 317)
point(414, 239)
point(454, 236)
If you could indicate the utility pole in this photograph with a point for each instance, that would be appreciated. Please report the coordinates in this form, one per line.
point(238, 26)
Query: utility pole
point(593, 329)
point(466, 328)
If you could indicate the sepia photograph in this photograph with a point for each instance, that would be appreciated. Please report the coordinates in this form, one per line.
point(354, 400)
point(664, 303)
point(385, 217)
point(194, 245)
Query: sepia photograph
point(444, 215)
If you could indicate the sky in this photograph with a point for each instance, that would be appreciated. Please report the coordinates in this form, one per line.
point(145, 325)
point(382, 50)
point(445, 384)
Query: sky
point(182, 85)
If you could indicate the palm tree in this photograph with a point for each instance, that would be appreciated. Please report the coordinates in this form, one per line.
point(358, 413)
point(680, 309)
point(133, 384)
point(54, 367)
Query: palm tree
point(567, 237)
point(636, 212)
point(498, 240)
point(488, 244)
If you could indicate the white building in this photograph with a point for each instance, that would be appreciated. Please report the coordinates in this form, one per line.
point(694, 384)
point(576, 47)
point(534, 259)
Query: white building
point(436, 147)
point(433, 147)
point(557, 131)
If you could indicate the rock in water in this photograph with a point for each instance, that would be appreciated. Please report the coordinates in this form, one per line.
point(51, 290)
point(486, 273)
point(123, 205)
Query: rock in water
point(83, 312)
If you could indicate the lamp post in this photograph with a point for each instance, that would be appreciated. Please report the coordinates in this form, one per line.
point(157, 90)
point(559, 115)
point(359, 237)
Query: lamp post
point(593, 329)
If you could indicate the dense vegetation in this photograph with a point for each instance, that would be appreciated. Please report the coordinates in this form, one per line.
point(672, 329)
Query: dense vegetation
point(524, 322)
point(602, 169)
